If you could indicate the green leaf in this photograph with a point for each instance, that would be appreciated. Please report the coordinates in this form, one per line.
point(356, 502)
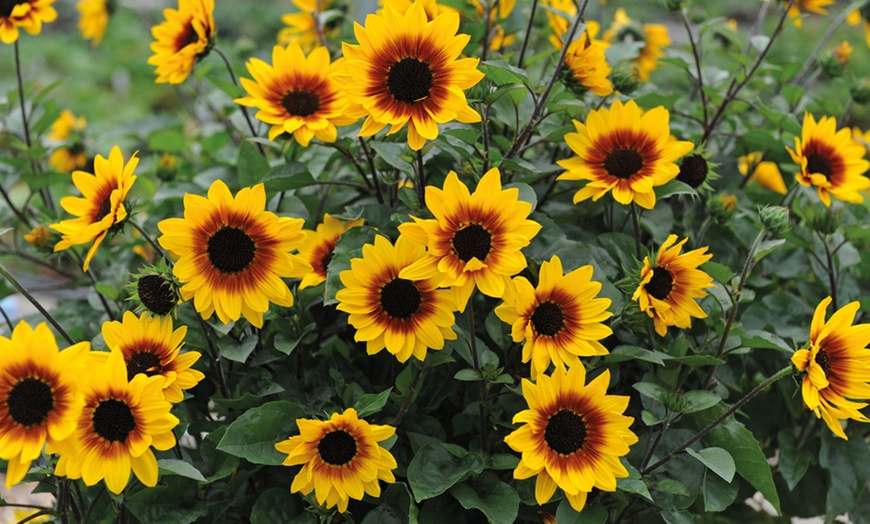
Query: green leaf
point(434, 470)
point(292, 175)
point(495, 499)
point(793, 463)
point(763, 339)
point(848, 462)
point(527, 194)
point(391, 154)
point(468, 375)
point(635, 486)
point(501, 72)
point(349, 246)
point(792, 94)
point(253, 435)
point(395, 507)
point(698, 360)
point(565, 514)
point(502, 461)
point(173, 500)
point(180, 468)
point(675, 516)
point(251, 165)
point(168, 140)
point(372, 403)
point(717, 460)
point(109, 291)
point(237, 351)
point(767, 247)
point(653, 391)
point(718, 494)
point(699, 401)
point(279, 505)
point(720, 272)
point(675, 187)
point(623, 353)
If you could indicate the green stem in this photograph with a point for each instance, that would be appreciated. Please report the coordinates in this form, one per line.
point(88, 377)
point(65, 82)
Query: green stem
point(481, 393)
point(412, 392)
point(421, 181)
point(832, 271)
point(151, 241)
point(636, 223)
point(244, 109)
point(374, 172)
point(814, 57)
point(8, 276)
point(696, 52)
point(528, 34)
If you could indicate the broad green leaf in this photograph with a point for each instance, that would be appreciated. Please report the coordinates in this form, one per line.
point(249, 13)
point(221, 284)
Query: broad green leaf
point(763, 339)
point(623, 353)
point(253, 435)
point(565, 514)
point(502, 461)
point(172, 500)
point(501, 72)
point(675, 187)
point(180, 468)
point(699, 401)
point(372, 403)
point(720, 272)
point(279, 505)
point(495, 499)
point(718, 494)
point(767, 247)
point(349, 246)
point(848, 462)
point(674, 516)
point(717, 460)
point(395, 507)
point(251, 165)
point(636, 486)
point(237, 351)
point(468, 375)
point(292, 175)
point(653, 391)
point(793, 463)
point(434, 470)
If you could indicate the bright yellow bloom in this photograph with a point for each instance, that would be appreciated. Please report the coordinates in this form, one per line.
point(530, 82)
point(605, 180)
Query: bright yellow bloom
point(654, 37)
point(68, 159)
point(432, 7)
point(505, 8)
point(340, 457)
point(303, 25)
point(560, 14)
point(316, 249)
point(764, 172)
point(39, 236)
point(729, 202)
point(837, 366)
point(65, 125)
point(843, 52)
point(94, 19)
point(588, 65)
point(811, 6)
point(863, 138)
point(26, 14)
point(182, 39)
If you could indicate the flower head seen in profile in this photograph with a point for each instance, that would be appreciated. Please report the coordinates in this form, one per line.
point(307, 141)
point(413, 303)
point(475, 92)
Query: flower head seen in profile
point(40, 236)
point(559, 16)
point(572, 435)
point(341, 458)
point(39, 395)
point(232, 253)
point(560, 320)
point(115, 431)
point(101, 207)
point(155, 290)
point(668, 290)
point(830, 160)
point(406, 317)
point(810, 6)
point(837, 366)
point(303, 26)
point(183, 38)
point(94, 18)
point(296, 94)
point(586, 65)
point(624, 151)
point(406, 72)
point(25, 14)
point(71, 155)
point(475, 238)
point(317, 248)
point(762, 172)
point(653, 36)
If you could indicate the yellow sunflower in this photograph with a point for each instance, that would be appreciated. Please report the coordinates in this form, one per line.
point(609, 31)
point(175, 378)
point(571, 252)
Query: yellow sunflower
point(316, 249)
point(182, 39)
point(572, 435)
point(830, 160)
point(26, 14)
point(505, 8)
point(667, 292)
point(764, 172)
point(151, 347)
point(303, 25)
point(475, 238)
point(95, 18)
point(624, 150)
point(115, 431)
point(296, 95)
point(340, 458)
point(40, 236)
point(559, 13)
point(498, 39)
point(39, 394)
point(654, 37)
point(837, 366)
point(232, 253)
point(102, 208)
point(66, 124)
point(810, 6)
point(863, 138)
point(405, 316)
point(587, 65)
point(560, 320)
point(406, 71)
point(432, 8)
point(67, 159)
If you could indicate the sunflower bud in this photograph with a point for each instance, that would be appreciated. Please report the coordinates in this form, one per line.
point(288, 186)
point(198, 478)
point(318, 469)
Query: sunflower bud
point(156, 290)
point(722, 207)
point(831, 65)
point(673, 5)
point(775, 219)
point(625, 79)
point(860, 91)
point(825, 222)
point(167, 167)
point(693, 170)
point(40, 237)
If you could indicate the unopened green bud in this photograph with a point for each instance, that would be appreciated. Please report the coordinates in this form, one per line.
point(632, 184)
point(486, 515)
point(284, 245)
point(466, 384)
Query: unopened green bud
point(860, 91)
point(831, 65)
point(722, 207)
point(625, 79)
point(826, 222)
point(775, 219)
point(673, 5)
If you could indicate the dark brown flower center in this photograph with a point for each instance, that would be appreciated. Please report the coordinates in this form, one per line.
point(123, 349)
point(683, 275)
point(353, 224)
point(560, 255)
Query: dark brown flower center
point(186, 37)
point(301, 102)
point(105, 209)
point(6, 7)
point(472, 241)
point(30, 401)
point(326, 259)
point(661, 283)
point(548, 319)
point(565, 432)
point(231, 250)
point(113, 420)
point(156, 294)
point(824, 362)
point(693, 170)
point(337, 448)
point(817, 163)
point(143, 362)
point(409, 80)
point(623, 162)
point(400, 298)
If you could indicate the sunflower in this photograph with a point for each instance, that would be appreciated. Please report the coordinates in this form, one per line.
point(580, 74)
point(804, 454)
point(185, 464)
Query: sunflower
point(66, 125)
point(653, 36)
point(102, 208)
point(316, 249)
point(27, 14)
point(303, 26)
point(406, 71)
point(296, 95)
point(811, 6)
point(498, 39)
point(232, 253)
point(504, 10)
point(764, 172)
point(40, 236)
point(67, 159)
point(558, 14)
point(432, 8)
point(340, 458)
point(184, 38)
point(405, 316)
point(151, 347)
point(39, 394)
point(155, 290)
point(95, 18)
point(573, 435)
point(836, 365)
point(625, 150)
point(475, 239)
point(667, 292)
point(559, 320)
point(863, 138)
point(119, 424)
point(830, 160)
point(587, 67)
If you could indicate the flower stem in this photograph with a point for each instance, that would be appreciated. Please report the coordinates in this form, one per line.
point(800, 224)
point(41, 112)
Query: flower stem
point(636, 224)
point(832, 271)
point(17, 285)
point(696, 52)
point(421, 181)
point(412, 392)
point(244, 109)
point(528, 34)
point(371, 163)
point(151, 241)
point(721, 418)
point(481, 393)
point(814, 57)
point(7, 319)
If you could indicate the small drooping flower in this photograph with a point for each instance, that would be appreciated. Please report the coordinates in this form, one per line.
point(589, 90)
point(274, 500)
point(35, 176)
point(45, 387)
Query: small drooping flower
point(406, 73)
point(101, 208)
point(233, 253)
point(763, 172)
point(843, 52)
point(94, 18)
point(560, 14)
point(297, 95)
point(71, 155)
point(317, 249)
point(185, 37)
point(837, 366)
point(572, 435)
point(475, 238)
point(693, 170)
point(303, 26)
point(40, 236)
point(25, 14)
point(653, 36)
point(40, 398)
point(66, 125)
point(405, 316)
point(587, 66)
point(340, 457)
point(624, 151)
point(668, 290)
point(560, 320)
point(830, 160)
point(810, 6)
